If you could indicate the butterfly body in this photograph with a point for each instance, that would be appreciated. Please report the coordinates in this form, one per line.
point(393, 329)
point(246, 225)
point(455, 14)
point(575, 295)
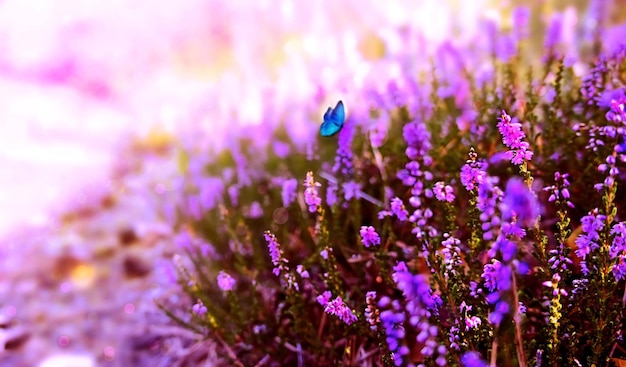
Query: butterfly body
point(333, 120)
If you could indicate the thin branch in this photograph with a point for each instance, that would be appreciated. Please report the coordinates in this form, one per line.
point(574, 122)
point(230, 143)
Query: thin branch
point(360, 193)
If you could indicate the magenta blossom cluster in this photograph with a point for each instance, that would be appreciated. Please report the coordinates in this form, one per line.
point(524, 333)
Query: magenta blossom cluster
point(416, 170)
point(472, 359)
point(225, 282)
point(559, 192)
point(289, 191)
point(513, 138)
point(199, 308)
point(519, 203)
point(499, 280)
point(587, 241)
point(489, 196)
point(276, 254)
point(617, 251)
point(397, 209)
point(337, 307)
point(443, 192)
point(473, 172)
point(311, 197)
point(392, 319)
point(371, 313)
point(369, 237)
point(420, 305)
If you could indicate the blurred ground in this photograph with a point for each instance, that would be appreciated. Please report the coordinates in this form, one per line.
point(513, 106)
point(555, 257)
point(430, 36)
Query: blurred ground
point(85, 287)
point(53, 145)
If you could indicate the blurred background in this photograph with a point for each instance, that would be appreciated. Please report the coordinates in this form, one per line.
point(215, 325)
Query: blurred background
point(80, 77)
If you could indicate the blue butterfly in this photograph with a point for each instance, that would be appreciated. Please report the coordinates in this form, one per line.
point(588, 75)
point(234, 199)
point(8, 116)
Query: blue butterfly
point(333, 120)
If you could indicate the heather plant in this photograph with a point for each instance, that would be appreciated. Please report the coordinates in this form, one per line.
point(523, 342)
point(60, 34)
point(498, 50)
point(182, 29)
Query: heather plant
point(467, 213)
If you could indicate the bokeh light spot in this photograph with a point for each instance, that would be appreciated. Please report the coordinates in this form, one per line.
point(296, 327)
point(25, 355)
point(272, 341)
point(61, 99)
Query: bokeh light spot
point(280, 216)
point(109, 353)
point(64, 341)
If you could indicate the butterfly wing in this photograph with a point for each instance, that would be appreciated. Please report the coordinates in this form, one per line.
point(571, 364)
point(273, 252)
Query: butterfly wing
point(339, 113)
point(329, 128)
point(329, 112)
point(333, 120)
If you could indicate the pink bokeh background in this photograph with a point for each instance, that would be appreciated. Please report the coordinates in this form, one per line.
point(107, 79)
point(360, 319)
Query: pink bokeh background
point(79, 78)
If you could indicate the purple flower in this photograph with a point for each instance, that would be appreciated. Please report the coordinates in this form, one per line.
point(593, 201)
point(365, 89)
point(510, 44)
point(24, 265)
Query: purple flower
point(519, 202)
point(417, 137)
point(472, 322)
point(554, 31)
point(331, 193)
point(243, 169)
point(378, 132)
point(369, 237)
point(225, 282)
point(343, 159)
point(420, 217)
point(281, 149)
point(559, 192)
point(311, 197)
point(617, 99)
point(499, 280)
point(338, 308)
point(421, 304)
point(521, 15)
point(504, 277)
point(193, 207)
point(473, 174)
point(323, 298)
point(183, 240)
point(289, 191)
point(506, 47)
point(454, 338)
point(617, 250)
point(497, 315)
point(586, 242)
point(414, 174)
point(276, 254)
point(302, 271)
point(507, 248)
point(472, 359)
point(167, 271)
point(398, 209)
point(372, 314)
point(255, 210)
point(490, 30)
point(488, 196)
point(512, 136)
point(474, 290)
point(593, 81)
point(521, 309)
point(393, 323)
point(443, 192)
point(351, 190)
point(451, 258)
point(554, 284)
point(490, 274)
point(199, 308)
point(613, 98)
point(619, 269)
point(211, 192)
